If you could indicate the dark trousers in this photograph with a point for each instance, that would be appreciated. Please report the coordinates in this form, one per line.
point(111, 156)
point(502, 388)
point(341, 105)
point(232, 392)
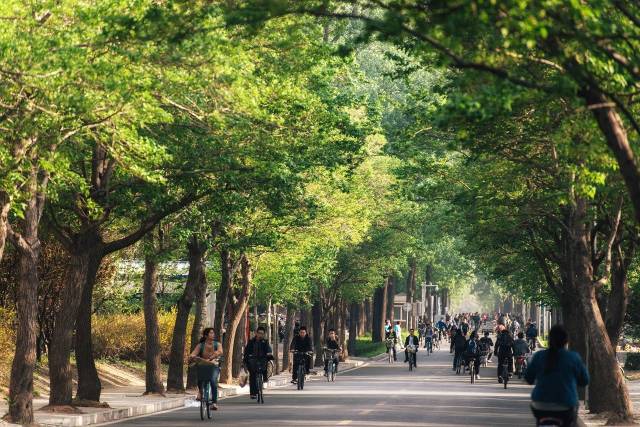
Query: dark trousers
point(501, 360)
point(296, 359)
point(457, 355)
point(253, 382)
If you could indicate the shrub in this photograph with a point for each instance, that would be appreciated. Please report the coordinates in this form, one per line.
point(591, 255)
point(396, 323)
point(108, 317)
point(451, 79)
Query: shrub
point(122, 336)
point(633, 362)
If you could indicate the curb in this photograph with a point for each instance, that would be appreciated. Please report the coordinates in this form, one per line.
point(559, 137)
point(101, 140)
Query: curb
point(117, 414)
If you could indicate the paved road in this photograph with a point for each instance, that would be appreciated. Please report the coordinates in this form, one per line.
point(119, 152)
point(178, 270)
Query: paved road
point(375, 395)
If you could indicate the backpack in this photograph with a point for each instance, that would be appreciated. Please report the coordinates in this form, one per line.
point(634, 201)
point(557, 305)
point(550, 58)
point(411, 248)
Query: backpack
point(472, 347)
point(484, 345)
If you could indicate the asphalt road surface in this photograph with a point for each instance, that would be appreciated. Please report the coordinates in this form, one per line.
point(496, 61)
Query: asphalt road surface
point(378, 394)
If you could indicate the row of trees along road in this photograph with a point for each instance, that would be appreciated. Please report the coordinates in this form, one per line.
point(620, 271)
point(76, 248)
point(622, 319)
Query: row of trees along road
point(322, 157)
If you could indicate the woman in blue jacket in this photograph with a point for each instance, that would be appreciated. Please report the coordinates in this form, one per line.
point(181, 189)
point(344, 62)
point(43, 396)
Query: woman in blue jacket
point(557, 374)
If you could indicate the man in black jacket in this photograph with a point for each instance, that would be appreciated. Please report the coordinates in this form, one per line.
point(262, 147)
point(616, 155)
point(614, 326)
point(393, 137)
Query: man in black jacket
point(459, 346)
point(413, 340)
point(302, 344)
point(256, 354)
point(332, 344)
point(504, 351)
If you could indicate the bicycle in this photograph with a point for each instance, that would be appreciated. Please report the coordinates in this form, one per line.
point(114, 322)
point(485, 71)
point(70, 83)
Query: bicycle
point(458, 364)
point(505, 371)
point(260, 373)
point(390, 344)
point(429, 345)
point(206, 400)
point(553, 418)
point(532, 344)
point(411, 354)
point(521, 366)
point(330, 354)
point(301, 366)
point(472, 369)
point(436, 345)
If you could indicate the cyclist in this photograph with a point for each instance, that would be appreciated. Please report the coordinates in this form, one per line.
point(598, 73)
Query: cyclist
point(332, 344)
point(411, 339)
point(557, 373)
point(257, 352)
point(464, 326)
point(302, 344)
point(473, 352)
point(453, 331)
point(391, 336)
point(504, 351)
point(459, 344)
point(532, 335)
point(207, 351)
point(486, 343)
point(520, 350)
point(428, 338)
point(441, 326)
point(387, 326)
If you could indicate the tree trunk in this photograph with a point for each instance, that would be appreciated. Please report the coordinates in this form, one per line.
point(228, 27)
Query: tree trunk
point(23, 365)
point(198, 324)
point(175, 376)
point(343, 328)
point(276, 340)
point(391, 293)
point(288, 336)
point(153, 367)
point(614, 132)
point(237, 309)
point(379, 309)
point(226, 283)
point(61, 386)
point(354, 324)
point(89, 386)
point(612, 394)
point(362, 319)
point(619, 295)
point(318, 331)
point(239, 343)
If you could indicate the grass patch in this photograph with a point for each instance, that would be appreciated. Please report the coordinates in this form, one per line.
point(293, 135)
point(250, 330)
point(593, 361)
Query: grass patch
point(367, 348)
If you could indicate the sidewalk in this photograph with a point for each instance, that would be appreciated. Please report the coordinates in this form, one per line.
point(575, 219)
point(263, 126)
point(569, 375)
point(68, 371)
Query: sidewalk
point(634, 394)
point(126, 402)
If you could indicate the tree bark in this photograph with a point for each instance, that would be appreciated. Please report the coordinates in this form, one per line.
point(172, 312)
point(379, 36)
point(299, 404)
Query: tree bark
point(318, 331)
point(391, 293)
point(89, 386)
point(368, 310)
point(198, 323)
point(153, 367)
point(362, 319)
point(5, 206)
point(175, 376)
point(615, 135)
point(379, 309)
point(239, 343)
point(612, 394)
point(288, 336)
point(227, 271)
point(619, 295)
point(28, 247)
point(60, 377)
point(354, 324)
point(237, 309)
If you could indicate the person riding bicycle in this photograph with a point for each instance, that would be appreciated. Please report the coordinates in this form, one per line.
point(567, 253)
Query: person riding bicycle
point(504, 351)
point(472, 351)
point(428, 338)
point(302, 344)
point(411, 339)
point(486, 343)
point(392, 340)
point(464, 326)
point(532, 335)
point(520, 346)
point(459, 343)
point(557, 374)
point(332, 344)
point(256, 354)
point(206, 355)
point(441, 326)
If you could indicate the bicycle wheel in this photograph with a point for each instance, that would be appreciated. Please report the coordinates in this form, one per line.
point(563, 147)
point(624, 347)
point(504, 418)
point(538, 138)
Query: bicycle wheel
point(472, 369)
point(390, 356)
point(505, 375)
point(411, 361)
point(334, 372)
point(260, 380)
point(301, 374)
point(202, 408)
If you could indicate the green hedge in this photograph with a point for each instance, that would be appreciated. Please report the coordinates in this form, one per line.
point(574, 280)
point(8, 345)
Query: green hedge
point(633, 362)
